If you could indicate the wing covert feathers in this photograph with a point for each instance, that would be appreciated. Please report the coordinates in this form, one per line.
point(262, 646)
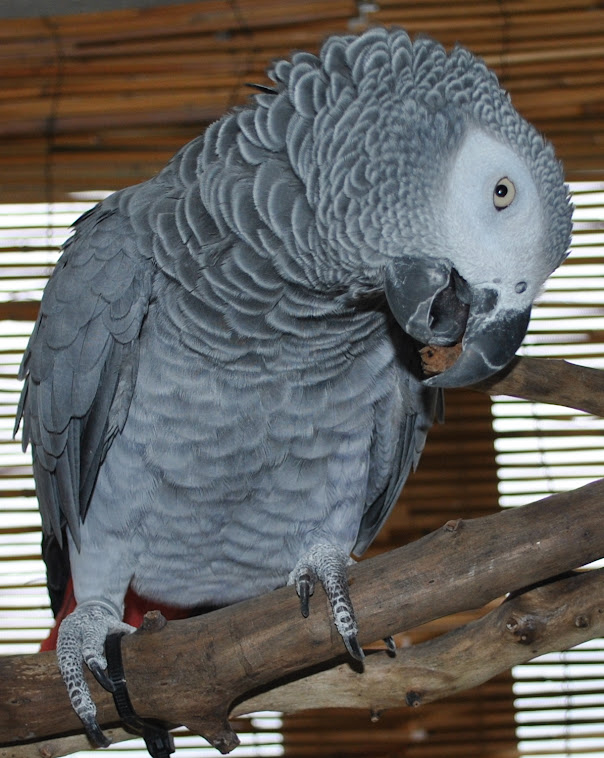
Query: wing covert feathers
point(80, 365)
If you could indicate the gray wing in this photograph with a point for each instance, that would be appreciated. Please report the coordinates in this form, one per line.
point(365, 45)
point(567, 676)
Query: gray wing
point(80, 364)
point(407, 440)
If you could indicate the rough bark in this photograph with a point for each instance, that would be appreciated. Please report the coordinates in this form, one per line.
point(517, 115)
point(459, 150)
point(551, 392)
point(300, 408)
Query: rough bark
point(549, 381)
point(192, 672)
point(552, 617)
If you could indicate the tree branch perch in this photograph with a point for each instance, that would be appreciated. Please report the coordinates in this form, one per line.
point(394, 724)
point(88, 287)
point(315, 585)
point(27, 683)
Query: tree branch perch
point(552, 617)
point(192, 671)
point(549, 381)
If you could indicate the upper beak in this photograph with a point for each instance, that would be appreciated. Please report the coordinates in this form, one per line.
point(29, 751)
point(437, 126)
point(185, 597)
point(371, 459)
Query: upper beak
point(436, 306)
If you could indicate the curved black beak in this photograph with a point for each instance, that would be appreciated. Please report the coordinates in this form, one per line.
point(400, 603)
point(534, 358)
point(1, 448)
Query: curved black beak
point(487, 347)
point(436, 306)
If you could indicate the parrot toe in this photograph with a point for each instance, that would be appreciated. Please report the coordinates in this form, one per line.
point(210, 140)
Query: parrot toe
point(81, 641)
point(101, 676)
point(305, 587)
point(328, 564)
point(353, 647)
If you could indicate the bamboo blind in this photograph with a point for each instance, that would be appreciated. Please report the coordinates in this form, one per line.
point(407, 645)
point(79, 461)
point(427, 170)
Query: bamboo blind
point(99, 101)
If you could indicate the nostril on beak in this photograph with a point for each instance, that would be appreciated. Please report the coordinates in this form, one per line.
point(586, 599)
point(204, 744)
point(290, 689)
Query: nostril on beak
point(484, 301)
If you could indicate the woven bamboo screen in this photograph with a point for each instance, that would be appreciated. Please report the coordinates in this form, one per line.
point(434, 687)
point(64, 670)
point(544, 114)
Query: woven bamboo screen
point(100, 101)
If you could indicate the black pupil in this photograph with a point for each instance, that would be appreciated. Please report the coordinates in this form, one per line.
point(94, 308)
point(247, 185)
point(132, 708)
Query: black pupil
point(501, 190)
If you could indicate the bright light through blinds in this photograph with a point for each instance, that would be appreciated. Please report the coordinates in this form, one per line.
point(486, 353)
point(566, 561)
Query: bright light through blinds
point(543, 449)
point(29, 240)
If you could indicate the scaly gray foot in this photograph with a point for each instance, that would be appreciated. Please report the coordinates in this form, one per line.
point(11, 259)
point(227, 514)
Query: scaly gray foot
point(328, 564)
point(81, 640)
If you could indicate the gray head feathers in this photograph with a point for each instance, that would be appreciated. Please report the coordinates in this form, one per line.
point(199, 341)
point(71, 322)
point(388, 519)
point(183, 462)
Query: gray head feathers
point(343, 162)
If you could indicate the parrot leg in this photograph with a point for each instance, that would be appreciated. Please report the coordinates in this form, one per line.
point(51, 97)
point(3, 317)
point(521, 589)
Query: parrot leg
point(328, 564)
point(81, 640)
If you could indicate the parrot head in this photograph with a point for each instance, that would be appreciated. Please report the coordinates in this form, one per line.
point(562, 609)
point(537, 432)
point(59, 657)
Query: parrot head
point(426, 185)
point(495, 250)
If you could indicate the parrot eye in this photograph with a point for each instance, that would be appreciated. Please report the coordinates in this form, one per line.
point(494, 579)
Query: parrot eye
point(504, 193)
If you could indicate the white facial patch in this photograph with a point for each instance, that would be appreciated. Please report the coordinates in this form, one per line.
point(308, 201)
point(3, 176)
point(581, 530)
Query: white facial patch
point(492, 221)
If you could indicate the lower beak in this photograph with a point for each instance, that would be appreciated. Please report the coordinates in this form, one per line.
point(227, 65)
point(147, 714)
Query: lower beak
point(436, 306)
point(487, 347)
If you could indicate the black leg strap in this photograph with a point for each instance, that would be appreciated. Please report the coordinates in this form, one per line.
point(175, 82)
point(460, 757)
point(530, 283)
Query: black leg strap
point(157, 738)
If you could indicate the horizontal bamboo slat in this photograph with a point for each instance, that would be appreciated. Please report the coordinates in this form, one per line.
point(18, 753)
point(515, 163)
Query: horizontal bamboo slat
point(164, 67)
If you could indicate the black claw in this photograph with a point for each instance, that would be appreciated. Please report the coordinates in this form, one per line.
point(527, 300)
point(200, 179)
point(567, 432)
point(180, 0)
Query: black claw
point(95, 734)
point(101, 677)
point(353, 647)
point(390, 644)
point(304, 593)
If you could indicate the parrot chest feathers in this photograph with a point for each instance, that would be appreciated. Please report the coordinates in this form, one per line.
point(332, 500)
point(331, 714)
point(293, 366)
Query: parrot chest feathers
point(240, 477)
point(275, 329)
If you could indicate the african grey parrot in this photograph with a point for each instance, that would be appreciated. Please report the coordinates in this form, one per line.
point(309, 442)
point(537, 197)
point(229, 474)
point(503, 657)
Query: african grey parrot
point(222, 390)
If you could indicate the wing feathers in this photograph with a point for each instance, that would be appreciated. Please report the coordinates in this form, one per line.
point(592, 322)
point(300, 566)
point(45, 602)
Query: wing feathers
point(409, 438)
point(46, 490)
point(79, 354)
point(68, 496)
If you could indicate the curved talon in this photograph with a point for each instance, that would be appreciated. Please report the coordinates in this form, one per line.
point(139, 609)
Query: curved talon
point(390, 645)
point(95, 734)
point(101, 676)
point(353, 647)
point(305, 588)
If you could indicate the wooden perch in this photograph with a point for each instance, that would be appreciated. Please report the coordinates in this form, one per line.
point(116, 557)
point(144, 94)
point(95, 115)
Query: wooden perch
point(552, 617)
point(540, 380)
point(192, 672)
point(549, 381)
